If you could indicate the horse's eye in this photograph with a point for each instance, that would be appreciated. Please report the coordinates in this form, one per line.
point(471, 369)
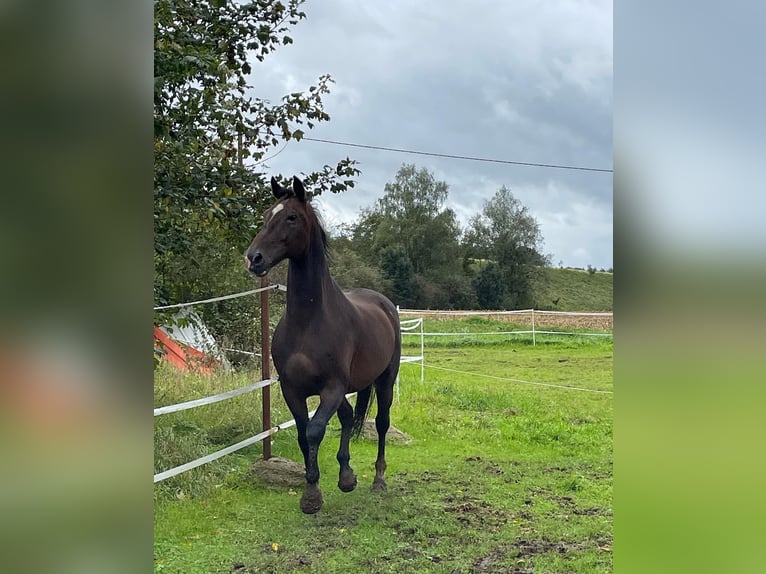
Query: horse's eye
point(292, 217)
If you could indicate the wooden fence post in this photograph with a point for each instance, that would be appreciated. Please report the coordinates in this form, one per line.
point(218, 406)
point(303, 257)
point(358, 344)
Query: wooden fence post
point(265, 367)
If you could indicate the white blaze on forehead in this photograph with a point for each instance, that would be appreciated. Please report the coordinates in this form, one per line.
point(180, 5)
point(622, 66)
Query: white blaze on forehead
point(277, 208)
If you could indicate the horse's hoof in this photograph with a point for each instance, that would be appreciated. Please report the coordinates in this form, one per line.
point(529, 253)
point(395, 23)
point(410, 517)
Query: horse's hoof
point(311, 501)
point(347, 481)
point(379, 485)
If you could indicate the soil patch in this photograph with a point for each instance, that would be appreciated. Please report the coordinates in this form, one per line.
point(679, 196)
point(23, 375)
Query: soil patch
point(521, 551)
point(279, 471)
point(476, 514)
point(394, 435)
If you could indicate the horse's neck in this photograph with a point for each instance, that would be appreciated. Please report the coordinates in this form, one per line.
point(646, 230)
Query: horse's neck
point(309, 284)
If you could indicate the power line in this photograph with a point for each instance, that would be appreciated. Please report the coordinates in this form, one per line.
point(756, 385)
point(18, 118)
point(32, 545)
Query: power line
point(451, 156)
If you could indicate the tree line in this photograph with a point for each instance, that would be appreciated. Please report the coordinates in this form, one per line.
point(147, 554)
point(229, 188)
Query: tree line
point(410, 246)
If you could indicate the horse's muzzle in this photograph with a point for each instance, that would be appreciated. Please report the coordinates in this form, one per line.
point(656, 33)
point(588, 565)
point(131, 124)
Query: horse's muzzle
point(256, 263)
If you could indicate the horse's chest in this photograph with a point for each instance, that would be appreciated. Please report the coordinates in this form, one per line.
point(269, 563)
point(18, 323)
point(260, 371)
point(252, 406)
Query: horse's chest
point(306, 358)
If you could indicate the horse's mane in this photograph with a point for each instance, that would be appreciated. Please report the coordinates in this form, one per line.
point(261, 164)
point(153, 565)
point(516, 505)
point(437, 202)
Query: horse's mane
point(318, 223)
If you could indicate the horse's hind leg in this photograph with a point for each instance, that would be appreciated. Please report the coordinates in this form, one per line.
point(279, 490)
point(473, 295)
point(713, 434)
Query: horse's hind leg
point(346, 478)
point(384, 390)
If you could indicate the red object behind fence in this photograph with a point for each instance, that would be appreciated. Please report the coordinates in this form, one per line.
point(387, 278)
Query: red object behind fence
point(183, 356)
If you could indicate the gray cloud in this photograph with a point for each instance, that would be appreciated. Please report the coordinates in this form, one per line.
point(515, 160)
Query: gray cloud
point(520, 81)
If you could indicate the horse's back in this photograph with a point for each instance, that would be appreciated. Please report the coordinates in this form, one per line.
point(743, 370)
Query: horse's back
point(368, 301)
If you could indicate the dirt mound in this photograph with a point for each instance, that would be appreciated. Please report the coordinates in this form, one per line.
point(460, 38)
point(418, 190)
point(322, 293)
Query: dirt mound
point(279, 471)
point(394, 435)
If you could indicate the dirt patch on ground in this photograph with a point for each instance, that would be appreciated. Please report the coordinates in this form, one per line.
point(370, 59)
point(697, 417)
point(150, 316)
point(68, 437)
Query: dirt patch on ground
point(521, 552)
point(476, 514)
point(394, 435)
point(279, 471)
point(489, 466)
point(568, 504)
point(495, 563)
point(300, 562)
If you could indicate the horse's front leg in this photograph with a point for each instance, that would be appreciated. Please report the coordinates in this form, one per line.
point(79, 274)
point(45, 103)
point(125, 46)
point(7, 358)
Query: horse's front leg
point(297, 405)
point(329, 401)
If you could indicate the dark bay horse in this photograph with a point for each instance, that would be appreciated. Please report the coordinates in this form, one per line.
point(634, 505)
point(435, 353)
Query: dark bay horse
point(329, 342)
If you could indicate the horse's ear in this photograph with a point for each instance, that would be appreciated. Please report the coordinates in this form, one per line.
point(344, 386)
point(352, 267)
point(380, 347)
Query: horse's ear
point(298, 189)
point(278, 191)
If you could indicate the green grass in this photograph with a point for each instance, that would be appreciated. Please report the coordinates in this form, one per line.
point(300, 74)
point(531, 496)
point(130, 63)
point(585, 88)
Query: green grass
point(576, 290)
point(500, 477)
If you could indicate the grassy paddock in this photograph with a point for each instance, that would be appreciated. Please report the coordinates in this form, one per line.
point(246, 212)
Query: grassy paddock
point(501, 476)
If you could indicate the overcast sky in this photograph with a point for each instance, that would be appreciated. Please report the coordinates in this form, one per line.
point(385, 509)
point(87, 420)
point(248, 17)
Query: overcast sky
point(522, 81)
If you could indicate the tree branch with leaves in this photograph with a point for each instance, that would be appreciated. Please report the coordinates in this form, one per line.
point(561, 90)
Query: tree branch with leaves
point(211, 136)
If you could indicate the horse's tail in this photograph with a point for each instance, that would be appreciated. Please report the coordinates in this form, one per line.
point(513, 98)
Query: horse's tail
point(362, 409)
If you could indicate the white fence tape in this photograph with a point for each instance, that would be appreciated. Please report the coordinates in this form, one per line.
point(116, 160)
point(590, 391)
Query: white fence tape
point(213, 398)
point(223, 297)
point(410, 324)
point(534, 332)
point(160, 476)
point(405, 326)
point(243, 352)
point(214, 456)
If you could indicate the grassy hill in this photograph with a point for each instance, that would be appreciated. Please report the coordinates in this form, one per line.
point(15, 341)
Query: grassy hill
point(575, 290)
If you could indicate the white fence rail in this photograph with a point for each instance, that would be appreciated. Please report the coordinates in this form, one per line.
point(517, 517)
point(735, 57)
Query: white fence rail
point(532, 313)
point(222, 297)
point(213, 398)
point(160, 476)
point(413, 327)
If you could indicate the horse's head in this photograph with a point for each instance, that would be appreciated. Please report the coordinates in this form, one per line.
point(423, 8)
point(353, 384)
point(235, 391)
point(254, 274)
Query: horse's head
point(286, 232)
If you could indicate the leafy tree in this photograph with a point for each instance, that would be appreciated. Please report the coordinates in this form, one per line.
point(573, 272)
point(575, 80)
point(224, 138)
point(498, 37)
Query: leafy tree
point(350, 270)
point(508, 235)
point(461, 293)
point(398, 269)
point(362, 235)
point(414, 217)
point(411, 223)
point(211, 133)
point(411, 216)
point(490, 290)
